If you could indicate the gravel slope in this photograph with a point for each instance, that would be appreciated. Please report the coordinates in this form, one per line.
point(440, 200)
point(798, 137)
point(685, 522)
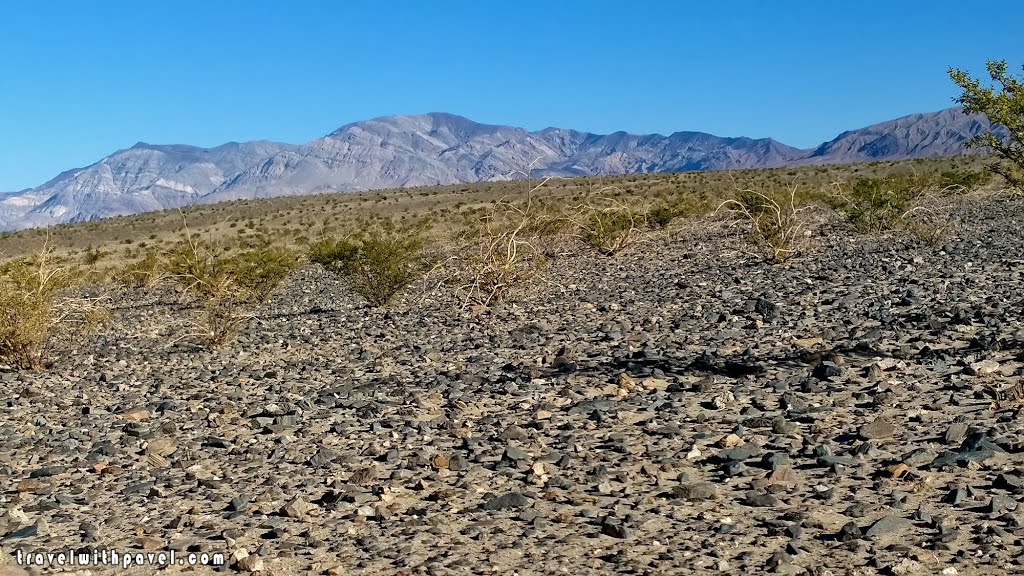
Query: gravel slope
point(684, 408)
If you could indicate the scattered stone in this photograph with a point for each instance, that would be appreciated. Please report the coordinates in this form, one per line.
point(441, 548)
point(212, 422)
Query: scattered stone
point(637, 413)
point(297, 508)
point(849, 531)
point(616, 530)
point(827, 371)
point(760, 500)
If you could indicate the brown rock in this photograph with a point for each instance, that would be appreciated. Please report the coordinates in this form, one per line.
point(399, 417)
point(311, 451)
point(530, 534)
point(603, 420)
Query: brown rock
point(983, 367)
point(784, 475)
point(364, 475)
point(626, 382)
point(150, 543)
point(31, 485)
point(877, 429)
point(440, 462)
point(155, 461)
point(135, 414)
point(731, 441)
point(250, 563)
point(162, 446)
point(897, 470)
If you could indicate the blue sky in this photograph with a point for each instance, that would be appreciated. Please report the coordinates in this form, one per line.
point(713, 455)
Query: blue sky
point(79, 80)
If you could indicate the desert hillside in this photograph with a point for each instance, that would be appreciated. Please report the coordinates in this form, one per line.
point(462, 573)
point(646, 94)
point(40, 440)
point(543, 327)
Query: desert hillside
point(686, 405)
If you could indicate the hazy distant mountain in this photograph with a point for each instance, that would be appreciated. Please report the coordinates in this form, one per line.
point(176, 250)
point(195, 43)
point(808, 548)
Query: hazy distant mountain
point(438, 148)
point(917, 136)
point(142, 178)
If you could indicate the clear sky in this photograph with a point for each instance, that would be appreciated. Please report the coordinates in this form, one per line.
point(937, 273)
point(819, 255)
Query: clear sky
point(80, 79)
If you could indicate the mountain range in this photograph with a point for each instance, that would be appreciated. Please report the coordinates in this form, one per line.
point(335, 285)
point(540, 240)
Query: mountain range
point(438, 148)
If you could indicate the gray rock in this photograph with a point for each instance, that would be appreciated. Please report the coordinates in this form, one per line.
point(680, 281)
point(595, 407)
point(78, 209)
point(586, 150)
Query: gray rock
point(506, 501)
point(888, 525)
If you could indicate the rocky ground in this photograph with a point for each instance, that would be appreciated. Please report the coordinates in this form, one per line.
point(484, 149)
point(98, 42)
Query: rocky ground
point(683, 408)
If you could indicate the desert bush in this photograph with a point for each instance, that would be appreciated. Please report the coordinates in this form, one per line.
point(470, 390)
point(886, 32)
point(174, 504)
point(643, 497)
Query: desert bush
point(201, 272)
point(146, 272)
point(93, 256)
point(922, 205)
point(379, 265)
point(660, 216)
point(259, 270)
point(505, 254)
point(930, 226)
point(963, 180)
point(610, 225)
point(1004, 106)
point(33, 305)
point(934, 213)
point(776, 218)
point(878, 204)
point(227, 285)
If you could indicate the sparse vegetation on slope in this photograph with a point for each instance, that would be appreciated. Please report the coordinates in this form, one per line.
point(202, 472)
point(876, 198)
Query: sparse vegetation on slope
point(492, 248)
point(610, 224)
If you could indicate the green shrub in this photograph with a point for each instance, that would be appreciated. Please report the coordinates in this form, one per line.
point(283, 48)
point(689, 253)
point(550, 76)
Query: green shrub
point(878, 204)
point(1003, 104)
point(660, 216)
point(258, 271)
point(93, 256)
point(334, 255)
point(145, 272)
point(379, 266)
point(227, 285)
point(966, 180)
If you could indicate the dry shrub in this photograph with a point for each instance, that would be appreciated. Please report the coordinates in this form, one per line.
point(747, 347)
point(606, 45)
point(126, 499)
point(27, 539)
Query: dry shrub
point(609, 224)
point(932, 217)
point(36, 305)
point(776, 217)
point(144, 273)
point(227, 285)
point(506, 254)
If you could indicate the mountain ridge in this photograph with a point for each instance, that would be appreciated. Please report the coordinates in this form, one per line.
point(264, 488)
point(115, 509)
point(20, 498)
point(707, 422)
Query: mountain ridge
point(438, 148)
